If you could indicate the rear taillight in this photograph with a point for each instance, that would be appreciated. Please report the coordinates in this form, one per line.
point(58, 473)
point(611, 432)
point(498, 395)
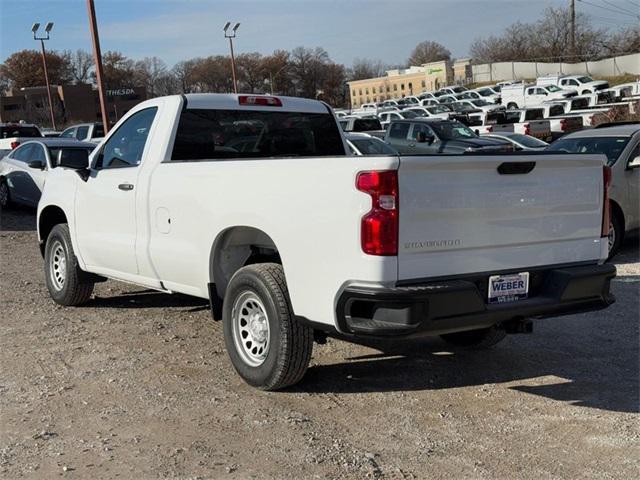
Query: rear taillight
point(14, 145)
point(592, 120)
point(379, 227)
point(606, 207)
point(260, 101)
point(527, 129)
point(489, 129)
point(563, 124)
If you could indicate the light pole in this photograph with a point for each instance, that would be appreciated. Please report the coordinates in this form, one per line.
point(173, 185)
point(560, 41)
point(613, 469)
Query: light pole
point(47, 30)
point(97, 58)
point(231, 36)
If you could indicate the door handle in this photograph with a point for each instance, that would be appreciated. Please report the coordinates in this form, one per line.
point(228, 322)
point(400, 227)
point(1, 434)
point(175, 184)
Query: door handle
point(125, 186)
point(412, 144)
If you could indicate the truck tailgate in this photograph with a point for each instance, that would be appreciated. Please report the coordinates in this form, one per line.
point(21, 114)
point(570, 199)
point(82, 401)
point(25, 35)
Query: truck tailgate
point(459, 214)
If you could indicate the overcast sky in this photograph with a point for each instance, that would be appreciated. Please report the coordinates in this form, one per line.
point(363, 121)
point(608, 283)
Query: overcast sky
point(379, 29)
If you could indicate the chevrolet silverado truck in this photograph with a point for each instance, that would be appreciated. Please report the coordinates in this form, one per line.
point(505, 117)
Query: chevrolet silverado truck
point(253, 203)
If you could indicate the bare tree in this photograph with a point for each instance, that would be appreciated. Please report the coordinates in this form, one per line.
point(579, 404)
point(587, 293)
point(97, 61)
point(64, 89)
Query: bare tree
point(365, 68)
point(184, 73)
point(250, 71)
point(148, 72)
point(81, 64)
point(428, 51)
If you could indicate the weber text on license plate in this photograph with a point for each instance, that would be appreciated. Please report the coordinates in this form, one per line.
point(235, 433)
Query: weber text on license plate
point(508, 288)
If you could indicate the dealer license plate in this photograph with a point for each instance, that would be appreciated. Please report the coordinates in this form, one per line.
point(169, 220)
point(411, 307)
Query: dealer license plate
point(508, 288)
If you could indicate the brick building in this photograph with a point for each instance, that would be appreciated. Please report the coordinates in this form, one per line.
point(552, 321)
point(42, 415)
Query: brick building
point(71, 104)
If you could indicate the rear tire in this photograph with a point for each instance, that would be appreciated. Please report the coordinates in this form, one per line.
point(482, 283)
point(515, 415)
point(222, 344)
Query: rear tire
point(5, 195)
point(267, 345)
point(512, 106)
point(62, 273)
point(476, 339)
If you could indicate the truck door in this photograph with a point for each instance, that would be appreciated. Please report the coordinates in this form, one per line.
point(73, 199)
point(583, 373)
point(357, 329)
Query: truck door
point(106, 203)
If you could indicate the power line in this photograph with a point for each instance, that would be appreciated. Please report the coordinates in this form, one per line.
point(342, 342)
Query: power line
point(612, 20)
point(608, 9)
point(634, 3)
point(620, 8)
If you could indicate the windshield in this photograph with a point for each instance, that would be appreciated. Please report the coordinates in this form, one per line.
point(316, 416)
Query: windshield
point(452, 130)
point(459, 89)
point(527, 140)
point(479, 103)
point(373, 146)
point(553, 88)
point(612, 147)
point(585, 79)
point(497, 88)
point(464, 107)
point(438, 109)
point(409, 114)
point(485, 92)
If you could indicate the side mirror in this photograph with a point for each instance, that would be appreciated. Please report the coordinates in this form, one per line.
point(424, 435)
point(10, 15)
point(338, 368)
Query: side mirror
point(76, 158)
point(36, 164)
point(634, 163)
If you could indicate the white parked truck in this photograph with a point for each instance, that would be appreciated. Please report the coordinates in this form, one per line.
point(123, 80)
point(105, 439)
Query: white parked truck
point(582, 84)
point(526, 121)
point(253, 203)
point(520, 95)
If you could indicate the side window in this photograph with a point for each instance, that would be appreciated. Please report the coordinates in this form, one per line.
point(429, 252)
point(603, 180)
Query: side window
point(82, 132)
point(37, 153)
point(419, 128)
point(399, 130)
point(634, 153)
point(125, 147)
point(68, 133)
point(531, 91)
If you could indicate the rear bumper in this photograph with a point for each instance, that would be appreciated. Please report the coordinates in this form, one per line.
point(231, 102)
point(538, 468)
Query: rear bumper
point(444, 306)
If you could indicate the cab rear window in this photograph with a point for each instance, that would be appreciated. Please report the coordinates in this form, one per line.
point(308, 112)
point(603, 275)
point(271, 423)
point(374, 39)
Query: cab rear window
point(205, 134)
point(10, 131)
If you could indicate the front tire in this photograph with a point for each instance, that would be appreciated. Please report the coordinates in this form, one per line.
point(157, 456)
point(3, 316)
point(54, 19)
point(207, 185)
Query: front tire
point(476, 339)
point(62, 273)
point(616, 234)
point(267, 345)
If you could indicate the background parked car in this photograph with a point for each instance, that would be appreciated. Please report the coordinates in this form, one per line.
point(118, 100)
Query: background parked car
point(365, 144)
point(87, 132)
point(520, 141)
point(430, 136)
point(12, 134)
point(24, 171)
point(621, 145)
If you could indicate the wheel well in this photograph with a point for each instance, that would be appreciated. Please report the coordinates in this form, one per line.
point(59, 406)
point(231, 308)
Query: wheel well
point(235, 248)
point(49, 218)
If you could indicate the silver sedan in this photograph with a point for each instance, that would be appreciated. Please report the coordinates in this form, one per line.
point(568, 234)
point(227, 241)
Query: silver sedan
point(23, 171)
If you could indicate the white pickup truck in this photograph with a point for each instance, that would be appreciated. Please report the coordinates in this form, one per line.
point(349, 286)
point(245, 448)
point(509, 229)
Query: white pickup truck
point(526, 121)
point(253, 203)
point(520, 95)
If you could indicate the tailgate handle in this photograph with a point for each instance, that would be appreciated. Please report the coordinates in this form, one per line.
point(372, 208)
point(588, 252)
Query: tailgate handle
point(516, 168)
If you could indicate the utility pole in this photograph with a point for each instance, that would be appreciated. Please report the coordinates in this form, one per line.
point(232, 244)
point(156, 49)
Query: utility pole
point(231, 36)
point(97, 58)
point(47, 29)
point(572, 17)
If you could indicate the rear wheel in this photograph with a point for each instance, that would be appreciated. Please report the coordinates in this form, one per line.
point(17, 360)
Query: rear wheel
point(5, 197)
point(267, 345)
point(511, 106)
point(476, 339)
point(62, 273)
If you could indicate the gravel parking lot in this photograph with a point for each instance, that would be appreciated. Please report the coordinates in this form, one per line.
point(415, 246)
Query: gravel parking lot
point(137, 384)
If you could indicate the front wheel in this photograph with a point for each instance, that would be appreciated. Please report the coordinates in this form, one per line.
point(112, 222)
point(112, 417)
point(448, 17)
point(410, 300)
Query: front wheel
point(62, 273)
point(616, 233)
point(267, 345)
point(476, 339)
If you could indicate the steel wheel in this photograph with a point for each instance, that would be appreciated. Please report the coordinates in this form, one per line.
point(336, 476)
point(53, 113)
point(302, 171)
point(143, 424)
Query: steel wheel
point(612, 237)
point(58, 265)
point(251, 332)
